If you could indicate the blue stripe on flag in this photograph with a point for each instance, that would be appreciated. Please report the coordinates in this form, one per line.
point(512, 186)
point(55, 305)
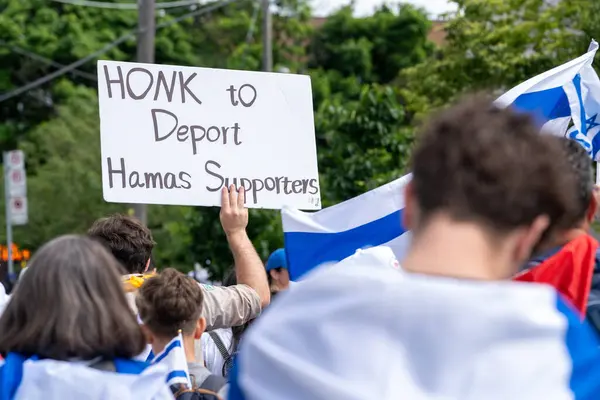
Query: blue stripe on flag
point(582, 345)
point(306, 250)
point(544, 105)
point(577, 84)
point(150, 356)
point(176, 374)
point(167, 351)
point(596, 145)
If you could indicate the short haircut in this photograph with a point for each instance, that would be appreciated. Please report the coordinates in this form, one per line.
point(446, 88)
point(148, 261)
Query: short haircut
point(478, 163)
point(581, 166)
point(168, 302)
point(71, 304)
point(127, 238)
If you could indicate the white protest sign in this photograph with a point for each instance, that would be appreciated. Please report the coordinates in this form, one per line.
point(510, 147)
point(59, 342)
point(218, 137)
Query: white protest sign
point(177, 135)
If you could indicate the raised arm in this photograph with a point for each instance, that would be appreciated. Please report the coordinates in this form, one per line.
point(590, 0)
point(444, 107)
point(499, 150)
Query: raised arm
point(248, 265)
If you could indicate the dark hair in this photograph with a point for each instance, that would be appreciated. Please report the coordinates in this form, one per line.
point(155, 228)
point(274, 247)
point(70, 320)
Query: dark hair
point(170, 301)
point(476, 162)
point(70, 304)
point(127, 238)
point(581, 166)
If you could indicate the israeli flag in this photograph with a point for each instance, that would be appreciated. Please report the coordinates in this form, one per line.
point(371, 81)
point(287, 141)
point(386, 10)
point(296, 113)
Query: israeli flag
point(557, 97)
point(23, 378)
point(586, 132)
point(366, 329)
point(173, 356)
point(334, 233)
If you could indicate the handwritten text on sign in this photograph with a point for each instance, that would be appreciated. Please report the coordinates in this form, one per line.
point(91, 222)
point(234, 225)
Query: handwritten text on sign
point(177, 135)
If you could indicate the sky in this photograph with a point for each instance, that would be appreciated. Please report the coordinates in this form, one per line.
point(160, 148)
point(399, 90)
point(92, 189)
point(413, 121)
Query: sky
point(365, 7)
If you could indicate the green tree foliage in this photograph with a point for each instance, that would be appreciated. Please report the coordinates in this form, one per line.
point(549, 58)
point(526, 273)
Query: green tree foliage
point(64, 180)
point(363, 143)
point(494, 45)
point(373, 48)
point(66, 33)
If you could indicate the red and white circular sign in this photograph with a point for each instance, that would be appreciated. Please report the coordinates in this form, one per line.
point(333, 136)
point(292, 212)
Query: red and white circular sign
point(17, 204)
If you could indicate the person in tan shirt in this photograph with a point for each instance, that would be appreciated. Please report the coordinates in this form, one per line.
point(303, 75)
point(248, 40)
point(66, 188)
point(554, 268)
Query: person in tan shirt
point(131, 243)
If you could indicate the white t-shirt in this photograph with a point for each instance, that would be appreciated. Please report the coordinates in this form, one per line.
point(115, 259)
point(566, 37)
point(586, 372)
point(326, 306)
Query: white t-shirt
point(211, 354)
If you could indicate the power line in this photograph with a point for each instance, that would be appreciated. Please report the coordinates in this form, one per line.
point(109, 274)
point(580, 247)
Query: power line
point(45, 60)
point(127, 36)
point(127, 6)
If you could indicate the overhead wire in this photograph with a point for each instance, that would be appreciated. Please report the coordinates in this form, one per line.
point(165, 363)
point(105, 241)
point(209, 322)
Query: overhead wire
point(127, 36)
point(37, 57)
point(127, 6)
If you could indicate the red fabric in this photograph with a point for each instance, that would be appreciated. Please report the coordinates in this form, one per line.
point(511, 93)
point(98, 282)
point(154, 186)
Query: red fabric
point(569, 271)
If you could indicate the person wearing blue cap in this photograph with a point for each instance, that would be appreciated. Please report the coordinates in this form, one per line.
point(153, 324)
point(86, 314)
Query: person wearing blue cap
point(277, 271)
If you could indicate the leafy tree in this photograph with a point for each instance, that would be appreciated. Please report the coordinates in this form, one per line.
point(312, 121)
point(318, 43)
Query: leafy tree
point(66, 33)
point(494, 45)
point(373, 48)
point(64, 186)
point(363, 143)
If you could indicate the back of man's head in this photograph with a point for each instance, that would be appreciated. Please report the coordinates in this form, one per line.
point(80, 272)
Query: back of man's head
point(169, 302)
point(127, 238)
point(480, 164)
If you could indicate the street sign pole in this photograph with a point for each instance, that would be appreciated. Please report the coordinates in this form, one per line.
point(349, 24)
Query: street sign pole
point(7, 201)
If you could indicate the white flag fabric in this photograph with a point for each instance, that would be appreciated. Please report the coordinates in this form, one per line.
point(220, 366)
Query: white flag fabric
point(366, 329)
point(27, 379)
point(586, 133)
point(173, 357)
point(334, 233)
point(555, 97)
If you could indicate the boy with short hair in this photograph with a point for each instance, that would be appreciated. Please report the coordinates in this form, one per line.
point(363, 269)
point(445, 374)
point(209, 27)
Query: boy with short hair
point(170, 302)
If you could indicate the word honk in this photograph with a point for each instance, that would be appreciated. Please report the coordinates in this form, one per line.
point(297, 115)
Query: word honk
point(193, 133)
point(160, 84)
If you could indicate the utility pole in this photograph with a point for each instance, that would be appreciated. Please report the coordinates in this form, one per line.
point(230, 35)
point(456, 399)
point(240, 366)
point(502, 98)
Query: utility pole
point(267, 55)
point(145, 54)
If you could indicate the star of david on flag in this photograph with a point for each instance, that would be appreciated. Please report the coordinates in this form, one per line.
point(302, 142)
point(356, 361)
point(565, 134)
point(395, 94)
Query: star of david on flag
point(568, 94)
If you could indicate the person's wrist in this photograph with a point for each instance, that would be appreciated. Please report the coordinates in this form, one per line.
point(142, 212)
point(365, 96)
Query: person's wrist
point(236, 234)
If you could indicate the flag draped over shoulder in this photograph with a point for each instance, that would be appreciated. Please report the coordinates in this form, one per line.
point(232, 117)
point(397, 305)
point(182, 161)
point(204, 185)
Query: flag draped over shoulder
point(173, 356)
point(569, 92)
point(23, 378)
point(334, 233)
point(570, 271)
point(366, 329)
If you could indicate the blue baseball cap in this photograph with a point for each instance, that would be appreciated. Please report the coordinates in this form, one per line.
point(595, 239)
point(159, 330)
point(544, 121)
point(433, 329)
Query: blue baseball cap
point(277, 259)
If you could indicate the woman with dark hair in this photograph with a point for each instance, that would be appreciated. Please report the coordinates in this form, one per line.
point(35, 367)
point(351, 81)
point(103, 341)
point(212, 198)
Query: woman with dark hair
point(68, 332)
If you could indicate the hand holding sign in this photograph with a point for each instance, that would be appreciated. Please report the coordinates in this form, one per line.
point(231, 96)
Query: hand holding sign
point(234, 215)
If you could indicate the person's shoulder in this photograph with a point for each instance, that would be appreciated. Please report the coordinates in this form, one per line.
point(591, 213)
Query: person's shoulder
point(363, 263)
point(207, 287)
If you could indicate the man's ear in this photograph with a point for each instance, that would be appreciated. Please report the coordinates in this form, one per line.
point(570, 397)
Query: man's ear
point(593, 207)
point(200, 328)
point(409, 214)
point(147, 266)
point(273, 274)
point(147, 334)
point(530, 237)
